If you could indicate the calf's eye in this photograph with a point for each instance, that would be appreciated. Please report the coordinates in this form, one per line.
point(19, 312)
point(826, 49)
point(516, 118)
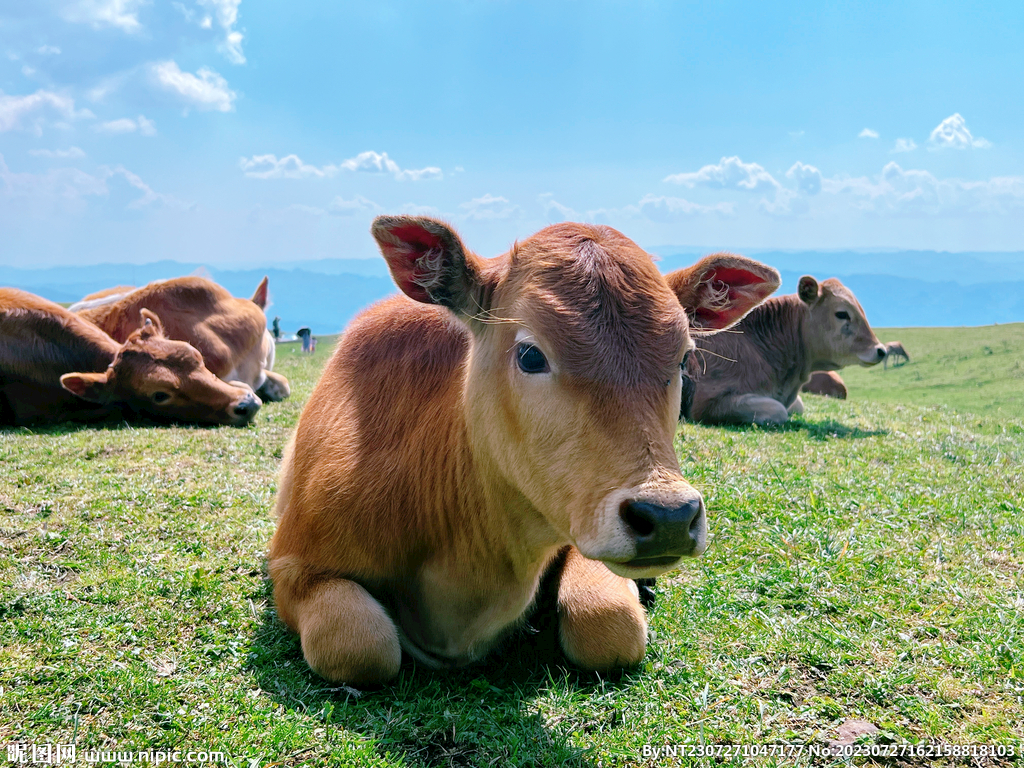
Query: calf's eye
point(160, 397)
point(531, 359)
point(844, 315)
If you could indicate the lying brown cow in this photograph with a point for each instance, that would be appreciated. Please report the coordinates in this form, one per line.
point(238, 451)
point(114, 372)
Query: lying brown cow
point(826, 384)
point(500, 415)
point(754, 373)
point(55, 366)
point(230, 333)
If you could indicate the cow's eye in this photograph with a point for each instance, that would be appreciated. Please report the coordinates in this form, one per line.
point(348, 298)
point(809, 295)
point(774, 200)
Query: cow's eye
point(844, 315)
point(686, 360)
point(531, 359)
point(160, 397)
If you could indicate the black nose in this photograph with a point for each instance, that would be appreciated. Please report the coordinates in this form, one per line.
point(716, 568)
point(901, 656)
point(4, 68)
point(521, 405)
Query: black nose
point(881, 353)
point(660, 531)
point(248, 407)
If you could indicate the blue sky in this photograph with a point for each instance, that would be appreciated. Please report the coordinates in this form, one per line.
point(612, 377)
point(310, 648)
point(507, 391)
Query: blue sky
point(240, 132)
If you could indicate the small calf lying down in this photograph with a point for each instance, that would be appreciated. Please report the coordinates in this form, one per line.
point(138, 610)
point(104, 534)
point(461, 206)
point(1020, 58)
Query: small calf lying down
point(826, 384)
point(55, 366)
point(500, 417)
point(754, 373)
point(229, 332)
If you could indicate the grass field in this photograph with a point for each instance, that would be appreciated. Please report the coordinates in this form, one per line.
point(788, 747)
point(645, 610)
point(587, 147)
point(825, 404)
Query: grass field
point(972, 370)
point(867, 564)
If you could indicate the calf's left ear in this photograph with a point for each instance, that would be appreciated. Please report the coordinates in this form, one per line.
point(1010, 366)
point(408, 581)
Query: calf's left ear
point(260, 297)
point(88, 386)
point(720, 289)
point(429, 262)
point(151, 325)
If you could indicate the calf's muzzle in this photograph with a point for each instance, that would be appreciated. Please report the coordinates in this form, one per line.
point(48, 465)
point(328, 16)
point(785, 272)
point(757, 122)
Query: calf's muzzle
point(663, 534)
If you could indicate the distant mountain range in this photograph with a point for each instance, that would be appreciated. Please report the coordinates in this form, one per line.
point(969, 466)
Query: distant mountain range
point(898, 288)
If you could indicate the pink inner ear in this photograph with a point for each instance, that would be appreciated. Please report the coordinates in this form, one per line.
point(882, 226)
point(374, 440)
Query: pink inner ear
point(403, 258)
point(736, 277)
point(744, 290)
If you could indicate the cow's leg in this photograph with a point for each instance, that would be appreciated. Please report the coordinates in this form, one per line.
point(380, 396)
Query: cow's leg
point(745, 409)
point(275, 388)
point(347, 636)
point(796, 407)
point(601, 624)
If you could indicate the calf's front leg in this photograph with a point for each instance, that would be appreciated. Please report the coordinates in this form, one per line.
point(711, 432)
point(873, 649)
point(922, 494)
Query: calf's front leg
point(347, 636)
point(601, 624)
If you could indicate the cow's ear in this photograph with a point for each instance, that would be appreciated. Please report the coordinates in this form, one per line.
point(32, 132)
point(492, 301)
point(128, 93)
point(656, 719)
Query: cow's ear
point(720, 289)
point(260, 297)
point(428, 261)
point(88, 386)
point(808, 290)
point(151, 325)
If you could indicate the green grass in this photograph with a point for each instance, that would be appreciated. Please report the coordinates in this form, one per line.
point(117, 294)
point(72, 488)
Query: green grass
point(971, 370)
point(867, 563)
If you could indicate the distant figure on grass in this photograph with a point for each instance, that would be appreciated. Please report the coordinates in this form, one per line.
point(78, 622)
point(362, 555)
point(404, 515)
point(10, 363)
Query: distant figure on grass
point(894, 351)
point(308, 340)
point(56, 366)
point(503, 421)
point(275, 329)
point(826, 384)
point(753, 373)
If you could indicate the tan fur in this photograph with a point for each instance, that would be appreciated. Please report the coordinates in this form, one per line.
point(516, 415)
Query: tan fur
point(826, 384)
point(431, 481)
point(231, 333)
point(55, 365)
point(753, 373)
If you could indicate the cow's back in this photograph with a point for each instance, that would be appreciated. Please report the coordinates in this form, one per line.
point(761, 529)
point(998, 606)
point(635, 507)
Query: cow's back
point(222, 327)
point(382, 425)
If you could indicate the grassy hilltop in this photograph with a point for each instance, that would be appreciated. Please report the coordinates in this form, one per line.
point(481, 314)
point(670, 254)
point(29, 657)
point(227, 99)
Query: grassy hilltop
point(867, 564)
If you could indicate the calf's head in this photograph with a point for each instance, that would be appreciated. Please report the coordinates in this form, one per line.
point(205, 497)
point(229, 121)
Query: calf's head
point(572, 385)
point(837, 331)
point(165, 379)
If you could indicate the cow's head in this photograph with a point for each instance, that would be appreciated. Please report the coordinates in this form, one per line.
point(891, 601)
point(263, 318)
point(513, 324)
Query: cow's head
point(573, 381)
point(165, 379)
point(837, 332)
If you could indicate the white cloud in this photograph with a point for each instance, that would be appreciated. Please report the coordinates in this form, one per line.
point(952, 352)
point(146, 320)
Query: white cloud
point(867, 133)
point(952, 133)
point(904, 145)
point(292, 167)
point(807, 177)
point(414, 209)
point(226, 12)
point(61, 188)
point(342, 207)
point(72, 153)
point(122, 14)
point(554, 210)
point(48, 50)
point(787, 202)
point(910, 191)
point(669, 209)
point(730, 173)
point(127, 125)
point(205, 90)
point(16, 110)
point(489, 207)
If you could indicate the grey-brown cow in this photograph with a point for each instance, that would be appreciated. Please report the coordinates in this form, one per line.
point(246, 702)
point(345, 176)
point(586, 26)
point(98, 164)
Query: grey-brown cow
point(753, 373)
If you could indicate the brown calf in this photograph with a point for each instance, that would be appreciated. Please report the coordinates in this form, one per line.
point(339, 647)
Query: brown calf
point(754, 373)
point(462, 436)
point(55, 366)
point(230, 333)
point(826, 384)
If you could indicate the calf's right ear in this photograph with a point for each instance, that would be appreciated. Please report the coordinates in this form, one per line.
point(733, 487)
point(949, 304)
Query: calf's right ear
point(428, 261)
point(88, 386)
point(720, 289)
